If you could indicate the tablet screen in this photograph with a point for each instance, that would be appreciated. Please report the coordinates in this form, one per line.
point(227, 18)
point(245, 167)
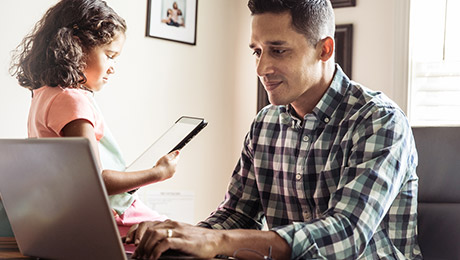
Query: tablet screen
point(174, 138)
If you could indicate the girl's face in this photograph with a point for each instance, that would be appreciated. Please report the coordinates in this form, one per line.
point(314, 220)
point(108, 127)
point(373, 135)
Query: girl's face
point(100, 63)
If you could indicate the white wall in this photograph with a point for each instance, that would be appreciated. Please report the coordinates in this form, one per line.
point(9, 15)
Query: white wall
point(378, 45)
point(158, 80)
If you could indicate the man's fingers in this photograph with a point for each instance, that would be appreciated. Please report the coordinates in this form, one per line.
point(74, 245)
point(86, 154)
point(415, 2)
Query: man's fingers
point(149, 241)
point(143, 227)
point(130, 235)
point(140, 248)
point(164, 245)
point(139, 234)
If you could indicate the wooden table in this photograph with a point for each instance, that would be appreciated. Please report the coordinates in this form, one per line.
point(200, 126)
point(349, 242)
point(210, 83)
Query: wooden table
point(9, 249)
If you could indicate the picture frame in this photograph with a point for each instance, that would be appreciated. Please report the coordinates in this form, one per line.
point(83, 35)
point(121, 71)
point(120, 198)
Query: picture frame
point(173, 20)
point(344, 47)
point(343, 56)
point(262, 97)
point(343, 3)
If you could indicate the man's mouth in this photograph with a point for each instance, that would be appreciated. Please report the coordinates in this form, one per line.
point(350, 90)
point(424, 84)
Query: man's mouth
point(271, 85)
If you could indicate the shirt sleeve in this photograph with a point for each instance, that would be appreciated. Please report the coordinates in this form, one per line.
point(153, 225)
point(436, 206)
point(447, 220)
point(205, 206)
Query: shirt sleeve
point(67, 107)
point(241, 207)
point(381, 161)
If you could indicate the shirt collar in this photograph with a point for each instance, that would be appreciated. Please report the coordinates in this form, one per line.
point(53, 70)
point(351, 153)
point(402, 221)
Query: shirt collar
point(328, 104)
point(333, 97)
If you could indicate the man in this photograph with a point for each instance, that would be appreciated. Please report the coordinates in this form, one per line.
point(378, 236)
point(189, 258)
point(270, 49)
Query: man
point(329, 164)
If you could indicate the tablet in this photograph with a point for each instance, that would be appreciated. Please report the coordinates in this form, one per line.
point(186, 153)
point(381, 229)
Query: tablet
point(175, 138)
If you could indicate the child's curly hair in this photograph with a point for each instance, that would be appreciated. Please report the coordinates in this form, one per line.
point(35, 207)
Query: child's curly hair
point(53, 54)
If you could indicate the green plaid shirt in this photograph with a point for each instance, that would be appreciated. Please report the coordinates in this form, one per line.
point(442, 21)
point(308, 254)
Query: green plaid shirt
point(339, 185)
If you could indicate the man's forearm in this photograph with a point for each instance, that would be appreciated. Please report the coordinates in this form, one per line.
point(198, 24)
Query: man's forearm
point(246, 244)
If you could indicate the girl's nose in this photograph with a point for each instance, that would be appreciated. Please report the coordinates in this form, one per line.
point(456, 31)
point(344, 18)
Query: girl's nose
point(111, 70)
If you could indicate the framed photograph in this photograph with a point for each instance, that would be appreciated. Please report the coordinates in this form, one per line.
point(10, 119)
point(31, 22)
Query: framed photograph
point(344, 46)
point(262, 97)
point(173, 20)
point(343, 3)
point(343, 53)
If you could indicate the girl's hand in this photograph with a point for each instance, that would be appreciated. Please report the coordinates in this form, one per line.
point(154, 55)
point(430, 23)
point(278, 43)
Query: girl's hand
point(167, 165)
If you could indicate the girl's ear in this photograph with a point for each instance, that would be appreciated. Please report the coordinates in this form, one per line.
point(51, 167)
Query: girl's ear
point(327, 48)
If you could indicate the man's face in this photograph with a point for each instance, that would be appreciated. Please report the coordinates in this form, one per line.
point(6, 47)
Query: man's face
point(287, 64)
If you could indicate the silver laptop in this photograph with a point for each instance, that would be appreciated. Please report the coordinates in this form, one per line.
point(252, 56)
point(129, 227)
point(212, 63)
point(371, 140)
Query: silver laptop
point(55, 199)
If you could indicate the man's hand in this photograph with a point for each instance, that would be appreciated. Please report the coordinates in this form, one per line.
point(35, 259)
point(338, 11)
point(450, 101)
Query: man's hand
point(153, 238)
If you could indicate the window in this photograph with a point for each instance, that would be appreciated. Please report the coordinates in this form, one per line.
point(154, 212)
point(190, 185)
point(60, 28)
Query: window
point(434, 74)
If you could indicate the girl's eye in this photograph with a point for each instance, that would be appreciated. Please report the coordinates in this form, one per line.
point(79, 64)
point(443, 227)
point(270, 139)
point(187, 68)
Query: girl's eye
point(111, 55)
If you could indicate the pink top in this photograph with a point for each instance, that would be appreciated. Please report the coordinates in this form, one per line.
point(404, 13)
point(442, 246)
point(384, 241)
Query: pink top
point(54, 107)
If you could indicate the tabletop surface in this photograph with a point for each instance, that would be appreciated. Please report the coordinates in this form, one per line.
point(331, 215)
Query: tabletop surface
point(9, 249)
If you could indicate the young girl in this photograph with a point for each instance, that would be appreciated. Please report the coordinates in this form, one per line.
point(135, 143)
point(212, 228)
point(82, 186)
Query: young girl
point(68, 56)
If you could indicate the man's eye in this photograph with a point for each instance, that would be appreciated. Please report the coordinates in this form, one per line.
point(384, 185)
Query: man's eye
point(256, 53)
point(278, 51)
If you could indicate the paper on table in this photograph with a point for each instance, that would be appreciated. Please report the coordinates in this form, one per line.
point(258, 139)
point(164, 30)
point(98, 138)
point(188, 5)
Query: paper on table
point(176, 205)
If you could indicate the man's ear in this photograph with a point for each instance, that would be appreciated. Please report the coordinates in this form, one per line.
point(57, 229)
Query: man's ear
point(327, 48)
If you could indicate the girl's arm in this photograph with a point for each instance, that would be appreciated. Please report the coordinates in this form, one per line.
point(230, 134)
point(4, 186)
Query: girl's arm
point(116, 181)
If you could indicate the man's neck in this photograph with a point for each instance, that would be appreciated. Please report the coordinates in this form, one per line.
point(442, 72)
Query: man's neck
point(308, 101)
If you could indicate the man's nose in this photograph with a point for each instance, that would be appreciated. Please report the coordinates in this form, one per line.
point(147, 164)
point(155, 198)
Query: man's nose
point(264, 65)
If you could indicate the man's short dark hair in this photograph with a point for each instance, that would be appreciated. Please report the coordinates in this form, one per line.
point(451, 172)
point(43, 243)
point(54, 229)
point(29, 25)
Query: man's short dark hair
point(313, 18)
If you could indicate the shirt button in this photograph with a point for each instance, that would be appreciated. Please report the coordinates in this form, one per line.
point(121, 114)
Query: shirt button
point(306, 215)
point(306, 138)
point(285, 115)
point(298, 176)
point(285, 118)
point(326, 120)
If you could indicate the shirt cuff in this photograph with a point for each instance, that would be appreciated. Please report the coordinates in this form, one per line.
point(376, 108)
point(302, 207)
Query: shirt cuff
point(301, 243)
